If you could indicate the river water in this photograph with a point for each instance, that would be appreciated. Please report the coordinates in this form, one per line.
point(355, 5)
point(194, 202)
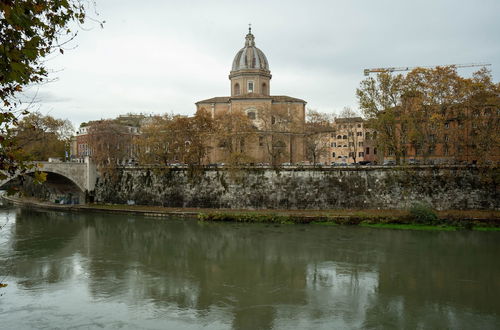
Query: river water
point(91, 270)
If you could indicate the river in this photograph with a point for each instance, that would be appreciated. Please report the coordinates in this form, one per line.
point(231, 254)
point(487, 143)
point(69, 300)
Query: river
point(92, 270)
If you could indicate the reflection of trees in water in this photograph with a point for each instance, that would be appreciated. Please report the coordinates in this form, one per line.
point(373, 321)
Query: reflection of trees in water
point(436, 280)
point(40, 244)
point(258, 273)
point(201, 266)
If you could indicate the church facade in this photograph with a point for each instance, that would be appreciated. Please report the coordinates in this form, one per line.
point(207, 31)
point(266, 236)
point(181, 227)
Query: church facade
point(278, 120)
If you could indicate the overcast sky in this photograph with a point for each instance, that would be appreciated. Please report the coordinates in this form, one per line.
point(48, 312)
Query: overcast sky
point(157, 56)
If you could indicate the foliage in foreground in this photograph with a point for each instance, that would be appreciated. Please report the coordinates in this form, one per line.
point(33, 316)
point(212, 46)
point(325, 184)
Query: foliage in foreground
point(29, 31)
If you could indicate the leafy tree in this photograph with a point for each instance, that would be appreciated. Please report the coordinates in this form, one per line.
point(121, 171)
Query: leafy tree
point(431, 109)
point(277, 128)
point(155, 141)
point(29, 31)
point(111, 143)
point(173, 138)
point(202, 127)
point(316, 139)
point(41, 137)
point(484, 116)
point(233, 133)
point(378, 99)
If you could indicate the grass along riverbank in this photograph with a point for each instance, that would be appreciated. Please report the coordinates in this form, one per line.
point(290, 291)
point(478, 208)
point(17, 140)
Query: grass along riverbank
point(389, 219)
point(484, 220)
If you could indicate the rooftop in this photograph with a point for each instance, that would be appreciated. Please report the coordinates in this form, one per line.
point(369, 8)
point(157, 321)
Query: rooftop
point(274, 98)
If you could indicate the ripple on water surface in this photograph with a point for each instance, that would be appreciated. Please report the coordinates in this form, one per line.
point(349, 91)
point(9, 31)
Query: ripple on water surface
point(97, 270)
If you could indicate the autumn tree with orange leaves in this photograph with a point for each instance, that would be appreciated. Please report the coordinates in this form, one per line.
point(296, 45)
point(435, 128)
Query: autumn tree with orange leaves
point(434, 112)
point(170, 139)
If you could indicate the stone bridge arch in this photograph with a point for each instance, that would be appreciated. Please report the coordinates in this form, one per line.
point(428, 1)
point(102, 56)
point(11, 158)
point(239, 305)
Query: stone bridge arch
point(83, 175)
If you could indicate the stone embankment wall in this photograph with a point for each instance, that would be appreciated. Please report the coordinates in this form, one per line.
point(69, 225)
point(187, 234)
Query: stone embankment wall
point(333, 188)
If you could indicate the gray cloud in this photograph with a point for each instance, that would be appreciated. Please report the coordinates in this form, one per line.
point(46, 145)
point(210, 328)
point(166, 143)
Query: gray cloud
point(162, 56)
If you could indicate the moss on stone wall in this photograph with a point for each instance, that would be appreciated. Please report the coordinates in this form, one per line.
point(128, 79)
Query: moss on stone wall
point(447, 188)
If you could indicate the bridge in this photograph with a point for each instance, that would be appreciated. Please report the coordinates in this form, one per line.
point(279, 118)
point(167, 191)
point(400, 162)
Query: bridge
point(81, 175)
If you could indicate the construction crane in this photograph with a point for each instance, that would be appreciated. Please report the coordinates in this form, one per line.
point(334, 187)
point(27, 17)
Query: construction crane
point(407, 68)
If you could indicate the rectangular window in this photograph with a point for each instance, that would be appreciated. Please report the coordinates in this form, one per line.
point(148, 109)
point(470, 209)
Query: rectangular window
point(333, 144)
point(250, 86)
point(360, 144)
point(374, 151)
point(361, 154)
point(367, 151)
point(359, 133)
point(261, 141)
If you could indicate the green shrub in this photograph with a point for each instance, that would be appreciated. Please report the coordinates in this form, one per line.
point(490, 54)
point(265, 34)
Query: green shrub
point(423, 213)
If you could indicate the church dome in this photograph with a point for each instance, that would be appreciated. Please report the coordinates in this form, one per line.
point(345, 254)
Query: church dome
point(250, 57)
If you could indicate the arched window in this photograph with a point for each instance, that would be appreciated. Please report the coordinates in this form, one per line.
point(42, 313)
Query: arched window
point(251, 115)
point(264, 89)
point(236, 89)
point(344, 137)
point(339, 137)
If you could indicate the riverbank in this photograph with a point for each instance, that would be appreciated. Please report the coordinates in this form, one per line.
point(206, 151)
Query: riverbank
point(483, 220)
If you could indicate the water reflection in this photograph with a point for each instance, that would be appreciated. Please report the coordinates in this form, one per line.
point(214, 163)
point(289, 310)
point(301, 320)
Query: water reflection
point(254, 276)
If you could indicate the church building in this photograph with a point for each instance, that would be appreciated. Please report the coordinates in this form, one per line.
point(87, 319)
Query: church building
point(278, 120)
